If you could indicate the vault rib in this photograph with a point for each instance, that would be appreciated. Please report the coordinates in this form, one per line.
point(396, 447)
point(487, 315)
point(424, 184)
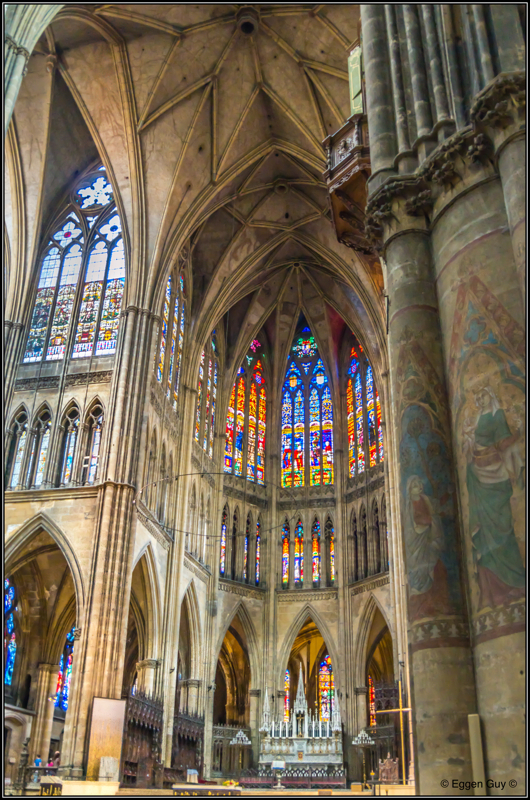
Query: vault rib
point(150, 22)
point(158, 79)
point(334, 30)
point(314, 104)
point(326, 96)
point(207, 79)
point(295, 119)
point(237, 127)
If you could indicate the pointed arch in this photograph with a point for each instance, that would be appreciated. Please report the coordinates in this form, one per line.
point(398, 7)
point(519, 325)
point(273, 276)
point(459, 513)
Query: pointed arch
point(190, 602)
point(254, 655)
point(307, 612)
point(30, 528)
point(146, 558)
point(16, 445)
point(372, 605)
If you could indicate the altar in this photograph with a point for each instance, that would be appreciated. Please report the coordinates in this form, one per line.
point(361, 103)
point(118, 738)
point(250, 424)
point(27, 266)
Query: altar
point(303, 739)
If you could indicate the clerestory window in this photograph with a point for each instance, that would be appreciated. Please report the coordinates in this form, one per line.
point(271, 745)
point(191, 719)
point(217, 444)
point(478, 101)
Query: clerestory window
point(171, 342)
point(207, 396)
point(365, 430)
point(82, 278)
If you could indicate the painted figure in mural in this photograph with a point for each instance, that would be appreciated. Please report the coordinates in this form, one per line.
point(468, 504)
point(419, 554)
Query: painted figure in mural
point(429, 594)
point(494, 467)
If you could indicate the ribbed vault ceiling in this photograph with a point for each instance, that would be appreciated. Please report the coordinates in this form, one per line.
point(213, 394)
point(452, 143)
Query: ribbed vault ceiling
point(210, 120)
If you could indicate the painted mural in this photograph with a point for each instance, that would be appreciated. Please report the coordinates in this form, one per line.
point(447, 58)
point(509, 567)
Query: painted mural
point(487, 378)
point(429, 511)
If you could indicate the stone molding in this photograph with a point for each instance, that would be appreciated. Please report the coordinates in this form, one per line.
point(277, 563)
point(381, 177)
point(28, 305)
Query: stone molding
point(147, 663)
point(500, 621)
point(302, 596)
point(53, 381)
point(373, 486)
point(156, 531)
point(369, 584)
point(449, 630)
point(202, 463)
point(301, 504)
point(241, 589)
point(361, 690)
point(200, 571)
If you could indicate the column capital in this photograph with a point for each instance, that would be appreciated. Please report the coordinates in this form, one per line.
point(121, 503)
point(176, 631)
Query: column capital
point(361, 690)
point(147, 663)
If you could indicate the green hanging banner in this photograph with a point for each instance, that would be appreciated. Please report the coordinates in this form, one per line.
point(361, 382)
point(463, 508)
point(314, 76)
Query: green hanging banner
point(354, 75)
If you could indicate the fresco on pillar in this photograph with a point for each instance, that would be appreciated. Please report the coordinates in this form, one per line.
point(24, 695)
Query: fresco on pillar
point(487, 378)
point(427, 487)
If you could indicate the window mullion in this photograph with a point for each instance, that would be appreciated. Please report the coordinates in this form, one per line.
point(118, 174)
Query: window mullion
point(170, 323)
point(54, 302)
point(77, 306)
point(102, 300)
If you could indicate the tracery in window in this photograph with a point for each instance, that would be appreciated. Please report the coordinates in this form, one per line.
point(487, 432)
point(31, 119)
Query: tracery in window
point(245, 548)
point(86, 242)
point(171, 341)
point(371, 701)
point(95, 428)
point(15, 450)
point(70, 436)
point(65, 672)
point(316, 556)
point(286, 536)
point(206, 396)
point(364, 414)
point(326, 689)
point(258, 550)
point(307, 415)
point(287, 690)
point(246, 421)
point(299, 554)
point(330, 539)
point(10, 636)
point(39, 449)
point(222, 559)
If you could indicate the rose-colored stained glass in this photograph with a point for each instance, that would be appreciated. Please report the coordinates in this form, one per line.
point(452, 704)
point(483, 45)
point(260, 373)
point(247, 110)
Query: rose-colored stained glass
point(229, 441)
point(371, 700)
point(258, 551)
point(351, 428)
point(370, 415)
point(222, 560)
point(181, 346)
point(379, 428)
point(251, 452)
point(262, 424)
point(163, 340)
point(326, 689)
point(299, 431)
point(240, 427)
point(245, 550)
point(299, 553)
point(287, 439)
point(199, 399)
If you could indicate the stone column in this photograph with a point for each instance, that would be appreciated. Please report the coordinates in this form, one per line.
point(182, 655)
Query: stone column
point(146, 674)
point(482, 323)
point(499, 112)
point(254, 724)
point(44, 706)
point(441, 667)
point(193, 695)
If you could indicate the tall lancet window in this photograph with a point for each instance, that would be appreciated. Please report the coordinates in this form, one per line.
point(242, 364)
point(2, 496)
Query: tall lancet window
point(326, 689)
point(246, 420)
point(307, 416)
point(64, 677)
point(10, 636)
point(287, 699)
point(365, 431)
point(222, 559)
point(171, 339)
point(286, 537)
point(299, 554)
point(258, 551)
point(82, 278)
point(316, 555)
point(207, 396)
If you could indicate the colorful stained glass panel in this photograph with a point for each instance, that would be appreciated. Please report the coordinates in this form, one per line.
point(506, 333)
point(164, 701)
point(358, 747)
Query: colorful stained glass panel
point(110, 315)
point(298, 446)
point(229, 441)
point(64, 304)
point(287, 439)
point(240, 427)
point(262, 425)
point(327, 437)
point(92, 291)
point(314, 437)
point(43, 305)
point(251, 453)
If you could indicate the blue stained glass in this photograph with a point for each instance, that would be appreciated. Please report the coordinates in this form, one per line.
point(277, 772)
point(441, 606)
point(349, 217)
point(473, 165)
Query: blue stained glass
point(10, 637)
point(306, 367)
point(293, 377)
point(10, 659)
point(64, 676)
point(10, 624)
point(8, 597)
point(319, 376)
point(287, 439)
point(67, 234)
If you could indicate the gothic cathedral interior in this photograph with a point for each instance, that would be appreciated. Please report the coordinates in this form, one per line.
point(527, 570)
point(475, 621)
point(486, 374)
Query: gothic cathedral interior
point(264, 302)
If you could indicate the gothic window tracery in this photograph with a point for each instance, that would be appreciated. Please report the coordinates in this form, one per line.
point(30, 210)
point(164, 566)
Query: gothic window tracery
point(10, 636)
point(316, 557)
point(246, 420)
point(222, 560)
point(326, 689)
point(286, 537)
point(171, 337)
point(70, 427)
point(330, 543)
point(15, 451)
point(207, 396)
point(64, 676)
point(40, 442)
point(363, 406)
point(94, 425)
point(307, 416)
point(299, 554)
point(82, 278)
point(258, 552)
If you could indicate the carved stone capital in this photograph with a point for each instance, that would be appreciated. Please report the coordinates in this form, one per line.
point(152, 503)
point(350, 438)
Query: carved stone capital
point(147, 663)
point(361, 690)
point(501, 103)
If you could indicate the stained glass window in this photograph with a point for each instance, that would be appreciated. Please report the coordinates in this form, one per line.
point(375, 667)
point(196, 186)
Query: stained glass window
point(330, 537)
point(10, 636)
point(371, 701)
point(287, 689)
point(171, 342)
point(326, 689)
point(65, 672)
point(81, 245)
point(363, 409)
point(315, 556)
point(245, 550)
point(258, 551)
point(206, 396)
point(299, 553)
point(247, 412)
point(71, 431)
point(95, 427)
point(17, 445)
point(286, 535)
point(222, 560)
point(307, 416)
point(39, 449)
point(165, 318)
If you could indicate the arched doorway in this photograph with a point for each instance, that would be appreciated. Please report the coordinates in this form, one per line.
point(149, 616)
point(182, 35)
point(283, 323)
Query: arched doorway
point(231, 703)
